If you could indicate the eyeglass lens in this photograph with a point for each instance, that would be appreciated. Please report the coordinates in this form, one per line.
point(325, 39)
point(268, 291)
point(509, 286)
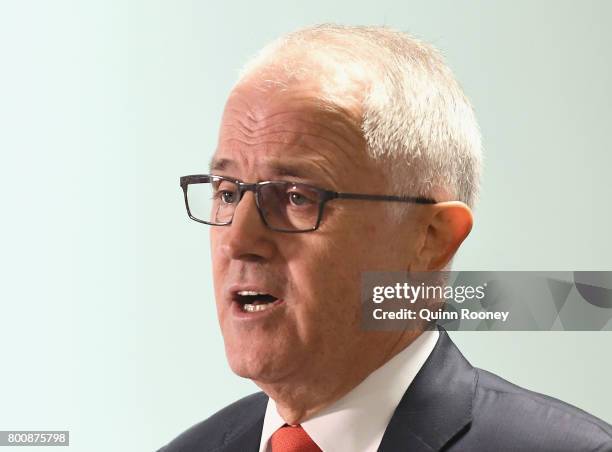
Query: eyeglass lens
point(284, 205)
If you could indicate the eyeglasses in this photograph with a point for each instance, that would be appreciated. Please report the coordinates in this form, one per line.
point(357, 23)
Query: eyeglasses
point(283, 206)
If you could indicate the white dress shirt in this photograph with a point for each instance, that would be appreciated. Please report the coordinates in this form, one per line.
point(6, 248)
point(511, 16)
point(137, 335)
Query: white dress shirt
point(357, 421)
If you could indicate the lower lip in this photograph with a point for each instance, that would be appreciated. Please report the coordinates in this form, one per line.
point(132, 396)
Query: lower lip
point(237, 310)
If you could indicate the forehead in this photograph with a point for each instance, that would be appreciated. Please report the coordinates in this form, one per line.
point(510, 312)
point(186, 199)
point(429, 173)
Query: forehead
point(289, 131)
point(267, 106)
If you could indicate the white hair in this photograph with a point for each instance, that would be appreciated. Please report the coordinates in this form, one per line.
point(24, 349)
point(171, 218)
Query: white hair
point(415, 117)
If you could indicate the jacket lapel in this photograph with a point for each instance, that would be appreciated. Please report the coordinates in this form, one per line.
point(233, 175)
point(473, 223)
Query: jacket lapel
point(249, 433)
point(437, 405)
point(248, 441)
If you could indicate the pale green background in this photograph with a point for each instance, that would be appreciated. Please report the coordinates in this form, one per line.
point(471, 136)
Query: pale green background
point(107, 324)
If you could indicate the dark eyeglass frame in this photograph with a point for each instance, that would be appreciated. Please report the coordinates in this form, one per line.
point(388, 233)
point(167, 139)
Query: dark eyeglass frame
point(324, 197)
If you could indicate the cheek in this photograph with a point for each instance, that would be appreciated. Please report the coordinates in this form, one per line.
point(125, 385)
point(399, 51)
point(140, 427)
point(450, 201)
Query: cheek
point(219, 263)
point(387, 246)
point(326, 283)
point(214, 241)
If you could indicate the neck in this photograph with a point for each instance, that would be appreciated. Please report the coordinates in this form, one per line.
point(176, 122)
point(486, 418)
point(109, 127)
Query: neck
point(299, 397)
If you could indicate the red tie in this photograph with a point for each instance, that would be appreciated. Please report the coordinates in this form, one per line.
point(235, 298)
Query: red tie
point(292, 438)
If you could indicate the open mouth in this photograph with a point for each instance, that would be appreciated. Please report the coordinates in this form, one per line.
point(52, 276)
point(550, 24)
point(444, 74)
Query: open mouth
point(251, 301)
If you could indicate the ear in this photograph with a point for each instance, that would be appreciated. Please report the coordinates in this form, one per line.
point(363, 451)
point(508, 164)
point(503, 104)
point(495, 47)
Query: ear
point(448, 224)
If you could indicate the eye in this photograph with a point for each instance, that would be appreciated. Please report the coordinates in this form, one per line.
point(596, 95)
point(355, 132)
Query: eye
point(300, 198)
point(297, 200)
point(225, 192)
point(227, 196)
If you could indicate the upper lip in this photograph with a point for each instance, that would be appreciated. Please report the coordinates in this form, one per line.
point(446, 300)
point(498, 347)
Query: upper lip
point(235, 289)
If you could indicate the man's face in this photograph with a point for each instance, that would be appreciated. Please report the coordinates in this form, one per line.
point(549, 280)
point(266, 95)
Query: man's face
point(314, 324)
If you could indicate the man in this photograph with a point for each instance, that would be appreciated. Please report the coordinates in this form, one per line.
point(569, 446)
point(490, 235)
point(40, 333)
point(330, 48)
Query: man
point(342, 120)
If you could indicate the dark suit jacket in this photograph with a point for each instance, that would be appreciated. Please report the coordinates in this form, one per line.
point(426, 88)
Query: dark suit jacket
point(449, 406)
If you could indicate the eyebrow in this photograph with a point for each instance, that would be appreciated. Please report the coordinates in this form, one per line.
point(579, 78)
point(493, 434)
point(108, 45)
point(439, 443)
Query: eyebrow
point(278, 168)
point(220, 164)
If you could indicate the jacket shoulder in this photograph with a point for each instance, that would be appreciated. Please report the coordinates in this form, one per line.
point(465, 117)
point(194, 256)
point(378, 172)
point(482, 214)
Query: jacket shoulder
point(220, 428)
point(526, 420)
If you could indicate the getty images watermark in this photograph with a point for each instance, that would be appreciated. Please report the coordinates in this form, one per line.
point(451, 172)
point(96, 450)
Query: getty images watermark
point(409, 293)
point(487, 301)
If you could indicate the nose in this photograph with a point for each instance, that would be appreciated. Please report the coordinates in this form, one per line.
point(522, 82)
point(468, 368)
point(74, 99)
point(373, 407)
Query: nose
point(247, 237)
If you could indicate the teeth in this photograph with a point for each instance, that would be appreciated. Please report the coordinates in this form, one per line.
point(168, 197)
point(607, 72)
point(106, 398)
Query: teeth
point(255, 307)
point(249, 293)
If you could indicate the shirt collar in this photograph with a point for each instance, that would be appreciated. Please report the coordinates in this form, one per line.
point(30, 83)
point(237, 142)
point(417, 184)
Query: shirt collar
point(358, 420)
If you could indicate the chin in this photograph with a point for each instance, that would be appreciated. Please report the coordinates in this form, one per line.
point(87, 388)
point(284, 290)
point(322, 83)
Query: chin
point(252, 371)
point(256, 366)
point(244, 362)
point(242, 370)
